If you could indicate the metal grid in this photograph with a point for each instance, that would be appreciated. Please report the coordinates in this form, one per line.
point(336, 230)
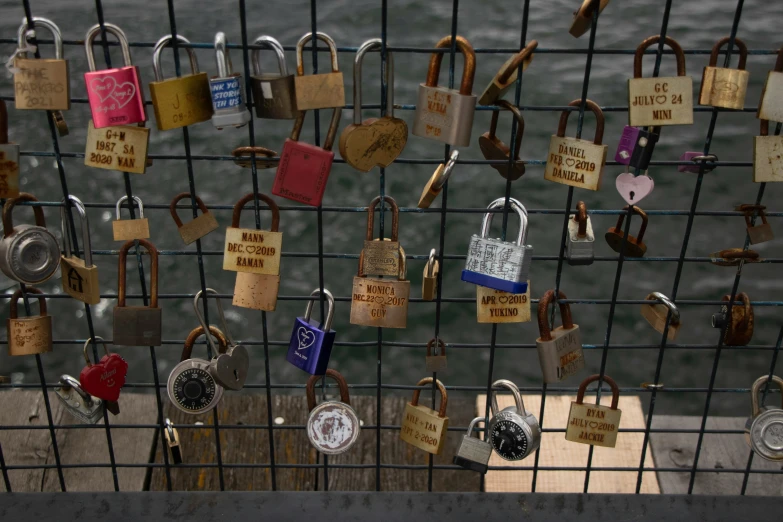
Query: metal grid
point(444, 211)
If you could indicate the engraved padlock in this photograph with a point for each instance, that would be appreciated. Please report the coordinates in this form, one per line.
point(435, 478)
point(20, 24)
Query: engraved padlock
point(423, 427)
point(381, 258)
point(115, 95)
point(191, 386)
point(739, 330)
point(767, 156)
point(495, 150)
point(228, 98)
point(79, 276)
point(318, 91)
point(332, 426)
point(636, 147)
point(311, 341)
point(380, 302)
point(9, 159)
point(634, 246)
point(723, 87)
point(507, 75)
point(444, 114)
point(199, 226)
point(513, 432)
point(436, 361)
point(497, 306)
point(172, 441)
point(106, 377)
point(583, 17)
point(757, 233)
point(656, 313)
point(473, 453)
point(771, 104)
point(429, 279)
point(438, 180)
point(127, 229)
point(77, 402)
point(41, 83)
point(28, 253)
point(764, 428)
point(274, 95)
point(138, 325)
point(560, 350)
point(28, 335)
point(580, 240)
point(594, 424)
point(499, 264)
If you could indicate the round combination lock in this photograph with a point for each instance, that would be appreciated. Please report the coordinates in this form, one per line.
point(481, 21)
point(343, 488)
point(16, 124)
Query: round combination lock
point(509, 440)
point(192, 388)
point(513, 432)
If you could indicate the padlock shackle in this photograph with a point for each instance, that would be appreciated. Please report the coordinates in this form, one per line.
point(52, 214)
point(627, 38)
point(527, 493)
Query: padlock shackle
point(403, 263)
point(371, 217)
point(668, 303)
point(222, 57)
point(329, 310)
point(518, 207)
point(756, 388)
point(519, 121)
point(3, 123)
point(164, 42)
point(226, 332)
point(13, 312)
point(763, 128)
point(139, 204)
point(468, 73)
point(473, 423)
point(334, 374)
point(431, 264)
point(441, 347)
point(87, 343)
point(246, 152)
point(743, 52)
point(447, 171)
point(66, 381)
point(334, 123)
point(779, 61)
point(153, 252)
point(22, 35)
point(197, 332)
point(580, 394)
point(325, 38)
point(524, 57)
point(505, 383)
point(247, 198)
point(749, 210)
point(93, 31)
point(599, 120)
point(179, 197)
point(388, 79)
point(444, 396)
point(636, 210)
point(581, 218)
point(84, 225)
point(8, 208)
point(268, 42)
point(545, 334)
point(748, 308)
point(671, 42)
point(170, 429)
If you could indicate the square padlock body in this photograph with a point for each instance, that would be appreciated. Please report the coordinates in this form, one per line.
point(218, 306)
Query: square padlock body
point(444, 115)
point(310, 347)
point(274, 96)
point(137, 326)
point(115, 96)
point(303, 172)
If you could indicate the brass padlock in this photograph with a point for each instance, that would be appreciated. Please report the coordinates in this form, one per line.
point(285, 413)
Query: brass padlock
point(256, 291)
point(199, 226)
point(574, 161)
point(318, 91)
point(507, 75)
point(634, 246)
point(172, 441)
point(381, 257)
point(138, 325)
point(436, 361)
point(41, 83)
point(243, 157)
point(122, 148)
point(79, 276)
point(183, 101)
point(252, 250)
point(494, 149)
point(592, 423)
point(422, 427)
point(764, 428)
point(438, 179)
point(759, 233)
point(583, 18)
point(767, 156)
point(380, 302)
point(28, 253)
point(274, 95)
point(560, 350)
point(127, 229)
point(9, 159)
point(734, 256)
point(332, 426)
point(739, 329)
point(28, 335)
point(723, 87)
point(656, 313)
point(771, 104)
point(429, 279)
point(497, 306)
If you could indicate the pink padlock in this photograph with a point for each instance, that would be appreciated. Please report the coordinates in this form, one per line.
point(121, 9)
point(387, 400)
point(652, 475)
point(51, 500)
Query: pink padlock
point(696, 158)
point(115, 95)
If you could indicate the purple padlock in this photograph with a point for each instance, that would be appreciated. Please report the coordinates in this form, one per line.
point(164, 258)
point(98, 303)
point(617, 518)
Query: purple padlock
point(627, 143)
point(311, 345)
point(696, 158)
point(636, 147)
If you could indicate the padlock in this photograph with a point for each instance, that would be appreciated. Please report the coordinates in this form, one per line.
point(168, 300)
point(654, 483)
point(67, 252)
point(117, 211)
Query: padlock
point(436, 357)
point(380, 302)
point(122, 148)
point(574, 161)
point(429, 279)
point(375, 141)
point(256, 291)
point(332, 426)
point(422, 427)
point(115, 95)
point(28, 253)
point(138, 325)
point(734, 257)
point(660, 100)
point(9, 159)
point(473, 453)
point(172, 441)
point(634, 246)
point(583, 18)
point(199, 226)
point(318, 91)
point(698, 162)
point(758, 233)
point(636, 147)
point(767, 156)
point(771, 104)
point(79, 276)
point(507, 75)
point(77, 402)
point(438, 179)
point(28, 335)
point(764, 428)
point(497, 306)
point(311, 341)
point(723, 87)
point(106, 377)
point(560, 350)
point(183, 101)
point(243, 157)
point(656, 314)
point(739, 330)
point(127, 229)
point(191, 386)
point(41, 83)
point(513, 432)
point(381, 257)
point(274, 95)
point(499, 264)
point(580, 240)
point(444, 114)
point(249, 249)
point(494, 149)
point(594, 424)
point(228, 98)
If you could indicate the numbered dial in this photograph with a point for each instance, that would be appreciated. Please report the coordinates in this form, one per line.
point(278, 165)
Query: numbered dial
point(509, 440)
point(193, 390)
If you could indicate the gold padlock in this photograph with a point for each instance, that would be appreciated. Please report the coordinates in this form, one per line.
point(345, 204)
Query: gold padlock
point(41, 83)
point(318, 91)
point(79, 276)
point(771, 105)
point(252, 250)
point(583, 18)
point(767, 156)
point(122, 148)
point(198, 227)
point(758, 233)
point(634, 246)
point(739, 327)
point(127, 229)
point(9, 159)
point(656, 314)
point(256, 291)
point(438, 179)
point(28, 335)
point(592, 423)
point(723, 87)
point(507, 75)
point(734, 256)
point(381, 257)
point(497, 306)
point(243, 157)
point(429, 280)
point(380, 302)
point(422, 427)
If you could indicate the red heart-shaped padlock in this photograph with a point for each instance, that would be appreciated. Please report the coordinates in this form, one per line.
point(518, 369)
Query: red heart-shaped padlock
point(104, 380)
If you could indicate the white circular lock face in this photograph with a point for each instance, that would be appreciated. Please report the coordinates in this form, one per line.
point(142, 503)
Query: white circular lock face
point(333, 427)
point(766, 435)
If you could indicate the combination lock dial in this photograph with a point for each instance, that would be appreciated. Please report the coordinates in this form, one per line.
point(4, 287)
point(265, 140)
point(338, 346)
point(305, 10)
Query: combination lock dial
point(509, 440)
point(192, 388)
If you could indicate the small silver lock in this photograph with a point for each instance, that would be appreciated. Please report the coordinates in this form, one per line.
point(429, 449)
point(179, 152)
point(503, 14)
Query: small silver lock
point(77, 401)
point(28, 253)
point(513, 433)
point(473, 453)
point(172, 440)
point(580, 241)
point(228, 98)
point(764, 429)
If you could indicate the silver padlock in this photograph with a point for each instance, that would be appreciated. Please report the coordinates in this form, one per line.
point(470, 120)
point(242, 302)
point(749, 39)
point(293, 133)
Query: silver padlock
point(28, 253)
point(190, 386)
point(513, 433)
point(473, 453)
point(172, 441)
point(228, 98)
point(273, 94)
point(560, 350)
point(764, 429)
point(77, 401)
point(498, 264)
point(332, 426)
point(580, 241)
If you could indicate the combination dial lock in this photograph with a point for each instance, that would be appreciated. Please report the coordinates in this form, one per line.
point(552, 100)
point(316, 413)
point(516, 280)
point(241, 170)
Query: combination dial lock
point(513, 433)
point(191, 387)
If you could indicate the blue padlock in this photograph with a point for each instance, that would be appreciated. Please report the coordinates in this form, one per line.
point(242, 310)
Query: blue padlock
point(311, 344)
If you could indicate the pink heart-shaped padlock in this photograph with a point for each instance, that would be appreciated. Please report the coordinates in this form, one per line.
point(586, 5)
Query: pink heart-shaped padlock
point(632, 188)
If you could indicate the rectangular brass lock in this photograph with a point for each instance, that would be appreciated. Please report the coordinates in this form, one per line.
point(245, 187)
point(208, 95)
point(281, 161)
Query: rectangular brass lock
point(80, 281)
point(575, 162)
point(121, 148)
point(256, 291)
point(125, 229)
point(660, 101)
point(593, 424)
point(183, 101)
point(198, 227)
point(381, 258)
point(767, 159)
point(319, 91)
point(251, 250)
point(380, 302)
point(497, 306)
point(42, 84)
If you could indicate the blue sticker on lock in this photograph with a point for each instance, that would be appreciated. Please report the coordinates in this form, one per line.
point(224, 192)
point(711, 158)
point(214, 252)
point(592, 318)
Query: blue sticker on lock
point(311, 343)
point(226, 93)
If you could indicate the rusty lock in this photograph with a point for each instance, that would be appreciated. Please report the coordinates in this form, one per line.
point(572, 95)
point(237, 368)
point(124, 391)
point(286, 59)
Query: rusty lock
point(739, 330)
point(494, 149)
point(634, 246)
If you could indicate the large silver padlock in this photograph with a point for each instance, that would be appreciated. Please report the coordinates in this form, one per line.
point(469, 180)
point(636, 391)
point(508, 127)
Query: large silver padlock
point(580, 241)
point(764, 429)
point(560, 350)
point(473, 453)
point(77, 401)
point(273, 94)
point(499, 264)
point(513, 433)
point(228, 98)
point(28, 253)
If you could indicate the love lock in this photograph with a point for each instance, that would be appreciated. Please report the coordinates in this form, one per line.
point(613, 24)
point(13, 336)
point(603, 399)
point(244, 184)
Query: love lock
point(758, 233)
point(311, 342)
point(656, 314)
point(764, 428)
point(634, 246)
point(494, 149)
point(739, 330)
point(105, 378)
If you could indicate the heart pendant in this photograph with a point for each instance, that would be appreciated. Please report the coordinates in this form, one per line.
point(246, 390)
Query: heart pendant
point(105, 379)
point(230, 368)
point(632, 188)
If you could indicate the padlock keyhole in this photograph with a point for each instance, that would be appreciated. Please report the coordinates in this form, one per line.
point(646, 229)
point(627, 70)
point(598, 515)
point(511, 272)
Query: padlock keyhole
point(632, 195)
